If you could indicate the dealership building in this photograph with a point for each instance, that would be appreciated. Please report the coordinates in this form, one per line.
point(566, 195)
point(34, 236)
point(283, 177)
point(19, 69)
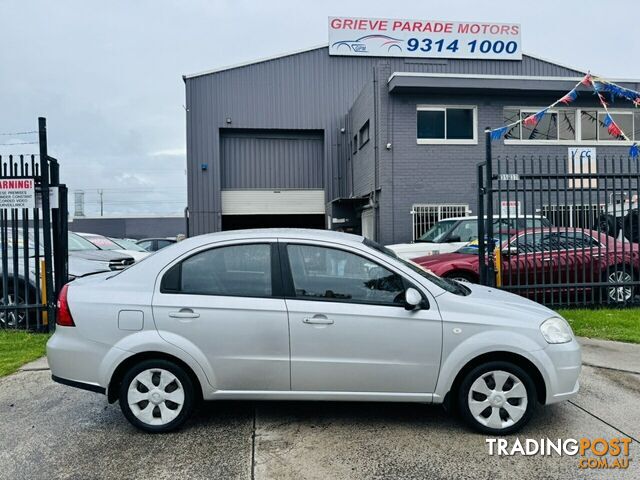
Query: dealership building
point(381, 145)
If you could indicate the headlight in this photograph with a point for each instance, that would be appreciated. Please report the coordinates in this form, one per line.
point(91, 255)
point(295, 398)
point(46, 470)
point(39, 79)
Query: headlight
point(556, 330)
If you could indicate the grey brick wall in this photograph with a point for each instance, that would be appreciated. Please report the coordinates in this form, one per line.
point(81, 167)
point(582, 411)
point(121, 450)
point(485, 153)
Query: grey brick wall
point(413, 173)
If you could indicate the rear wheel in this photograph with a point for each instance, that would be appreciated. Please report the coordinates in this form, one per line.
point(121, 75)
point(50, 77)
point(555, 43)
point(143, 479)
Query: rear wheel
point(157, 396)
point(497, 398)
point(18, 316)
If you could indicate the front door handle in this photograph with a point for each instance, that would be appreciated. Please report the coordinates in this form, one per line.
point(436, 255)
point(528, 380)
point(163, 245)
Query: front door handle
point(318, 320)
point(184, 313)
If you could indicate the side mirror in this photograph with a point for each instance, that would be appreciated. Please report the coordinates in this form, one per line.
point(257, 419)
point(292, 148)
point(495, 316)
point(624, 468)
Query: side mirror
point(455, 238)
point(506, 252)
point(412, 298)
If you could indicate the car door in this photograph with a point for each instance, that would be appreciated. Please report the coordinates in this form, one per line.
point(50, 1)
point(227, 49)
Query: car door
point(224, 301)
point(349, 330)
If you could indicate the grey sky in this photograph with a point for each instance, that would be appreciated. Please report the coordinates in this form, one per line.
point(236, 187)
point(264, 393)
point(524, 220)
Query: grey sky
point(107, 75)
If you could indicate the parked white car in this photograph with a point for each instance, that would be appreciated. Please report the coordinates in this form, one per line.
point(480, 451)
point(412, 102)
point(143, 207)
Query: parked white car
point(452, 234)
point(105, 243)
point(306, 315)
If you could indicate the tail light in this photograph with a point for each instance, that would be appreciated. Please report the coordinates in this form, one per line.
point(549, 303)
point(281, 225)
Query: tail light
point(63, 314)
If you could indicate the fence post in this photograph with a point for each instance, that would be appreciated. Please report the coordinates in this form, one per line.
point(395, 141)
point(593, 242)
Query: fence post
point(481, 250)
point(46, 220)
point(490, 272)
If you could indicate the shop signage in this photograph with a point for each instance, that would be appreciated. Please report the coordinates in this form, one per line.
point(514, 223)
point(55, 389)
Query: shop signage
point(17, 193)
point(387, 37)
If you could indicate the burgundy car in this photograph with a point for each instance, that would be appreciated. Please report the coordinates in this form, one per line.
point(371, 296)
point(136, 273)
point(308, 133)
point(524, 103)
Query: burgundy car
point(552, 265)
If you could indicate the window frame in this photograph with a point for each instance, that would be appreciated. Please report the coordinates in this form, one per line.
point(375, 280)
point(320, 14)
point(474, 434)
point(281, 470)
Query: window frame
point(446, 141)
point(276, 276)
point(578, 126)
point(289, 288)
point(363, 128)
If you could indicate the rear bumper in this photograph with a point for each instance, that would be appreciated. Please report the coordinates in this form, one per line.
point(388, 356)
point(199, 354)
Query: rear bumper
point(81, 385)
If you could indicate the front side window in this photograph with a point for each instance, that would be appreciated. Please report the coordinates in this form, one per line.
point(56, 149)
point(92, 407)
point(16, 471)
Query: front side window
point(321, 273)
point(455, 124)
point(465, 231)
point(238, 270)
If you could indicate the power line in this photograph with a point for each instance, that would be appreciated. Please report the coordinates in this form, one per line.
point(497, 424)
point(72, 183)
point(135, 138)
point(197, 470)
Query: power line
point(19, 143)
point(18, 133)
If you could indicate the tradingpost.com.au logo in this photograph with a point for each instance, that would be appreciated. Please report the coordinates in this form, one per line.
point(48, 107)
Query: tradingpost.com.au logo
point(598, 453)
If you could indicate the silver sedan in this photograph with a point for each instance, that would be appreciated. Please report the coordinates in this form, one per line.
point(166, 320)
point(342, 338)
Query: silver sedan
point(306, 315)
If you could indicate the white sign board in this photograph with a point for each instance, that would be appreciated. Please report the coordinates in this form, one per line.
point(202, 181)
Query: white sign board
point(582, 160)
point(510, 209)
point(17, 193)
point(53, 198)
point(426, 38)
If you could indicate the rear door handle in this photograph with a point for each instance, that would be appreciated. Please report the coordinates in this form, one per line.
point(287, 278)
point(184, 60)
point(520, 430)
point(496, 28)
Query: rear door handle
point(318, 320)
point(184, 313)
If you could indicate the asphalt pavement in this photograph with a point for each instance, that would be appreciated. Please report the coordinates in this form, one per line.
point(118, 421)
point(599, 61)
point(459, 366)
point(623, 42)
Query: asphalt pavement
point(52, 431)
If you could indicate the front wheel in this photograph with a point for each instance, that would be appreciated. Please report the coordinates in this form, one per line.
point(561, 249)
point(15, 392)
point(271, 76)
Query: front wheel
point(156, 396)
point(623, 291)
point(497, 398)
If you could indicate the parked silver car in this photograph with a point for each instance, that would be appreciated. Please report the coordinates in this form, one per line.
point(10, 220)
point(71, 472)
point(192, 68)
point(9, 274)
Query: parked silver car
point(306, 315)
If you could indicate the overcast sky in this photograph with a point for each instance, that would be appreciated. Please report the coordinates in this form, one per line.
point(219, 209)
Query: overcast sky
point(107, 75)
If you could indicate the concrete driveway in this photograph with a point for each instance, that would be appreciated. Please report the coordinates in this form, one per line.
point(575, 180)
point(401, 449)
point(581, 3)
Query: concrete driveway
point(51, 431)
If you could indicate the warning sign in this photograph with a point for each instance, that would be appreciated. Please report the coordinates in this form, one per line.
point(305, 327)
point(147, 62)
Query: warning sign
point(18, 193)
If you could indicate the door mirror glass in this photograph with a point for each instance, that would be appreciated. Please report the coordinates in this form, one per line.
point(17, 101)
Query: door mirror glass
point(509, 251)
point(412, 298)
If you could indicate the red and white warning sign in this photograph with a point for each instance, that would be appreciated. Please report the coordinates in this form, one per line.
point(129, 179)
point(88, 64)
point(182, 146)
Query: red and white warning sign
point(17, 193)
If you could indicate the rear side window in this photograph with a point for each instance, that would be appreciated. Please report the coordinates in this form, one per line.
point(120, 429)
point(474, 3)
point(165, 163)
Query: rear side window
point(238, 270)
point(163, 243)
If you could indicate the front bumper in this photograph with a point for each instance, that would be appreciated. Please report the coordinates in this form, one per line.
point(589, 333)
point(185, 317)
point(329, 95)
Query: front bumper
point(562, 364)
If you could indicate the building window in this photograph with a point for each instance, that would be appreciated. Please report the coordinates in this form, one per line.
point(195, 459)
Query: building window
point(569, 126)
point(447, 124)
point(354, 144)
point(364, 134)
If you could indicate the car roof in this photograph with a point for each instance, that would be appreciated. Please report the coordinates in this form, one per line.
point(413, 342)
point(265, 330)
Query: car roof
point(291, 233)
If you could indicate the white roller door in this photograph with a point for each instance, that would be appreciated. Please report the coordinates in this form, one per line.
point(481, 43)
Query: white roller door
point(273, 202)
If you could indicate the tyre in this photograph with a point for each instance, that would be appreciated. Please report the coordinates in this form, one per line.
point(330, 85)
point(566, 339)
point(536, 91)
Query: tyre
point(156, 396)
point(619, 294)
point(497, 398)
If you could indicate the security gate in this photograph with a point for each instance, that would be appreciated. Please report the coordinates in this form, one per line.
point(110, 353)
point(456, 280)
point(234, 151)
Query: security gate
point(33, 238)
point(536, 247)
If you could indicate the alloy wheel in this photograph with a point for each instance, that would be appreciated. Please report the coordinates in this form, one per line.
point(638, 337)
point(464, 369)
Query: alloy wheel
point(9, 317)
point(497, 399)
point(621, 293)
point(156, 396)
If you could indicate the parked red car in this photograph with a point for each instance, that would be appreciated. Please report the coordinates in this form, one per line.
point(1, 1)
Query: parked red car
point(553, 265)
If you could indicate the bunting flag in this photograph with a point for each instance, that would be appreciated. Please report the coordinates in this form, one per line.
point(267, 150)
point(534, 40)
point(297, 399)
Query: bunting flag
point(599, 86)
point(569, 97)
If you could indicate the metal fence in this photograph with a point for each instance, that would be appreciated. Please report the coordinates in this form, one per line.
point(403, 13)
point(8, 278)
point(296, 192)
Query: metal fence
point(33, 243)
point(585, 252)
point(424, 216)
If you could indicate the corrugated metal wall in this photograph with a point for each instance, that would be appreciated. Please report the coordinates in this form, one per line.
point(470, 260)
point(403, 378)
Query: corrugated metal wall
point(309, 90)
point(260, 159)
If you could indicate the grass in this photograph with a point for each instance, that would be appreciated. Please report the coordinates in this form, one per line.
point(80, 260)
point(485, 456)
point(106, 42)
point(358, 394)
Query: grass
point(622, 325)
point(18, 348)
